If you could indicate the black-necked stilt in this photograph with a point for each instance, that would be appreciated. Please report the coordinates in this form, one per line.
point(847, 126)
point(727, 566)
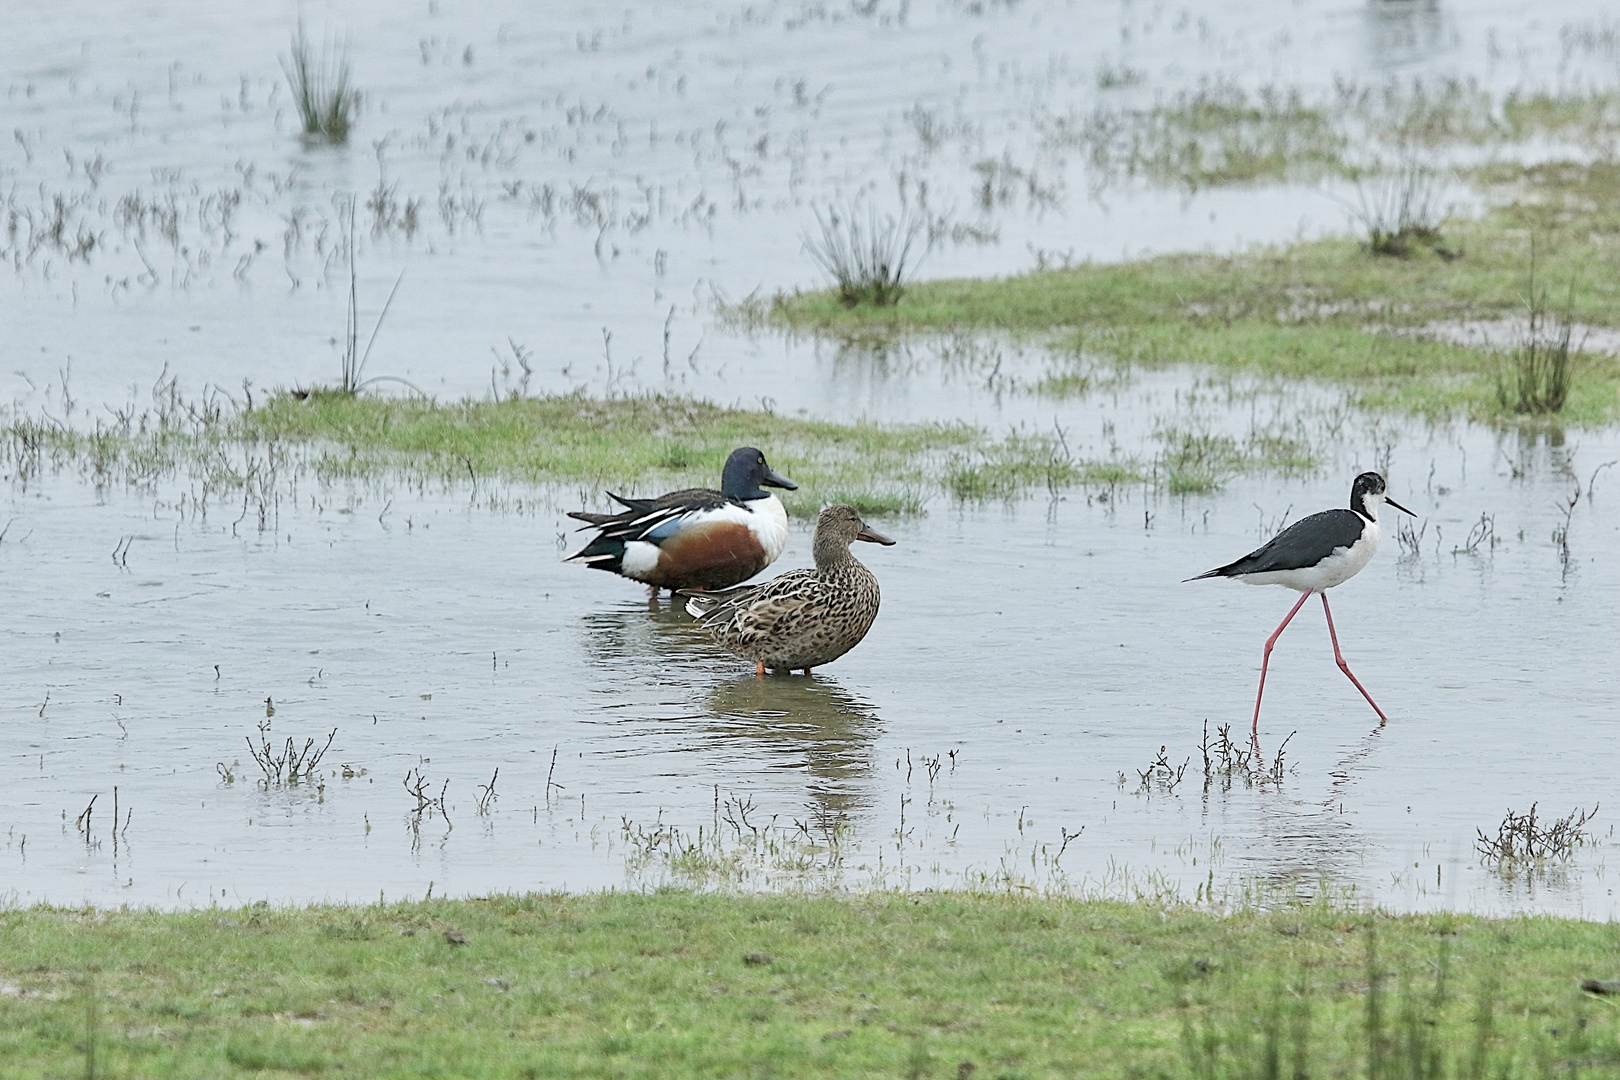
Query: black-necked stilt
point(1313, 555)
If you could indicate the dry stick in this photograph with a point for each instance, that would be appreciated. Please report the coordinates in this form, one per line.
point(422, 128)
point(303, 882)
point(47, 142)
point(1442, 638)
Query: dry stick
point(82, 822)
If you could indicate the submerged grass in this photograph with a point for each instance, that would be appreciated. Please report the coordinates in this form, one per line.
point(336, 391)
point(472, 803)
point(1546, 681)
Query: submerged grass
point(677, 984)
point(1322, 309)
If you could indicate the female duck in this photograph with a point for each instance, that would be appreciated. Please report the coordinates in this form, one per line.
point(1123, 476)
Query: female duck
point(805, 618)
point(698, 538)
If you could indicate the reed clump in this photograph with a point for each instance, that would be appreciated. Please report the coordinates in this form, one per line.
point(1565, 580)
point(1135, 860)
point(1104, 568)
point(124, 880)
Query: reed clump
point(1402, 211)
point(1535, 376)
point(867, 259)
point(322, 89)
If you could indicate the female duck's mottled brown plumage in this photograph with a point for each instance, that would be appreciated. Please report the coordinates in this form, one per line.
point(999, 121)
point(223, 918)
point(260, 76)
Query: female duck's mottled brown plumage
point(805, 618)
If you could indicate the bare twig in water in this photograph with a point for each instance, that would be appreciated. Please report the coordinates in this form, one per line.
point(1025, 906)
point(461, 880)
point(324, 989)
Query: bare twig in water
point(1526, 837)
point(1067, 836)
point(1162, 773)
point(1275, 773)
point(1560, 534)
point(82, 822)
point(1482, 531)
point(1589, 484)
point(559, 787)
point(289, 763)
point(487, 793)
point(1224, 759)
point(417, 785)
point(1410, 539)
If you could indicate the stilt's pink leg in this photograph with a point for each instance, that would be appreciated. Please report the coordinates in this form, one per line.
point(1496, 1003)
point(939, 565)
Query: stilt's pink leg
point(1344, 667)
point(1266, 659)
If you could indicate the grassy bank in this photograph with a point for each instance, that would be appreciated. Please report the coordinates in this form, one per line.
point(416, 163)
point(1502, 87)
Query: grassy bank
point(676, 984)
point(645, 444)
point(1326, 309)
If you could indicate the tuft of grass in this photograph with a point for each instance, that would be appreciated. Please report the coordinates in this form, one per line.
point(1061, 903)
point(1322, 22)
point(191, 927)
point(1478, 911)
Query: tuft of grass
point(673, 984)
point(321, 88)
point(1535, 377)
point(867, 261)
point(1400, 210)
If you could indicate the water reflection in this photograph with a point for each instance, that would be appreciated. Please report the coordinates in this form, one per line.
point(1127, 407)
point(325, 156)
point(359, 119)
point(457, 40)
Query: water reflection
point(1401, 32)
point(634, 633)
point(804, 723)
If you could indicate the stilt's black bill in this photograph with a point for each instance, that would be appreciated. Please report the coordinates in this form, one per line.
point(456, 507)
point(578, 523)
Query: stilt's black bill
point(1398, 506)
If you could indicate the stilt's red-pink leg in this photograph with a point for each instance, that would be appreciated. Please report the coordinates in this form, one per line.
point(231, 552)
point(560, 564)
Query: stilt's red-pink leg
point(1266, 659)
point(1344, 667)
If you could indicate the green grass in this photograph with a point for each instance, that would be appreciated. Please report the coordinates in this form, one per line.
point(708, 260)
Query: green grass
point(1324, 310)
point(1225, 135)
point(646, 444)
point(676, 984)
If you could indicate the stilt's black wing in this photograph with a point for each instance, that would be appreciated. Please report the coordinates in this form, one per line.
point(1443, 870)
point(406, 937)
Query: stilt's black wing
point(1304, 543)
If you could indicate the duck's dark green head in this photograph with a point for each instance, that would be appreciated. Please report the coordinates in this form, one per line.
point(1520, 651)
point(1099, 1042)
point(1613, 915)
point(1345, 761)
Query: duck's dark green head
point(746, 471)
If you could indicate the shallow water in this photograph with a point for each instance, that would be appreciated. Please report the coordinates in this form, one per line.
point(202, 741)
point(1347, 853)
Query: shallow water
point(1049, 646)
point(586, 184)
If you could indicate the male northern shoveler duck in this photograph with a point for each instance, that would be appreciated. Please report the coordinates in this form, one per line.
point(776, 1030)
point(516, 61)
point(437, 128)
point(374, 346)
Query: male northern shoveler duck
point(698, 538)
point(805, 618)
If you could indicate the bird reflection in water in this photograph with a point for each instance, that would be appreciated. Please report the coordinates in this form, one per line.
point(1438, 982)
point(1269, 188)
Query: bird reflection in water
point(634, 633)
point(810, 724)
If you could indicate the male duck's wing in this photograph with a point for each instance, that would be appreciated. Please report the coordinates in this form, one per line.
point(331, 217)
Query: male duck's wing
point(651, 519)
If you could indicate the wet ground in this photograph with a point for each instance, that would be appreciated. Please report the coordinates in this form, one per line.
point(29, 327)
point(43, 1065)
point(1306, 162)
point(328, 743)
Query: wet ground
point(1031, 659)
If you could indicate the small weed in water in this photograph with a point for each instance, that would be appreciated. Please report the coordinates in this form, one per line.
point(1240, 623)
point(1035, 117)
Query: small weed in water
point(289, 764)
point(321, 91)
point(1161, 774)
point(1526, 837)
point(867, 260)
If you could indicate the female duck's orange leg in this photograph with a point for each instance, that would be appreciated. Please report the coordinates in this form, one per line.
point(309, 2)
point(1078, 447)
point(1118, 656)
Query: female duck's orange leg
point(759, 672)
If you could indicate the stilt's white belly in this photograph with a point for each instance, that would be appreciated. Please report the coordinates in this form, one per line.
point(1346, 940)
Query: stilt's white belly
point(1336, 569)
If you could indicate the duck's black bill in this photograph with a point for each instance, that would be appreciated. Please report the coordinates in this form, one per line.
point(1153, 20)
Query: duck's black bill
point(872, 536)
point(1398, 506)
point(772, 478)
